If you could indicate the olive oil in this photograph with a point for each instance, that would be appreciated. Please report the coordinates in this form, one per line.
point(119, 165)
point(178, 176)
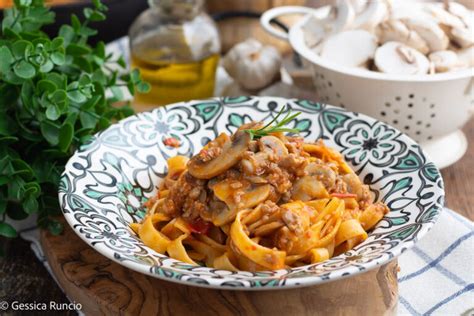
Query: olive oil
point(176, 46)
point(174, 81)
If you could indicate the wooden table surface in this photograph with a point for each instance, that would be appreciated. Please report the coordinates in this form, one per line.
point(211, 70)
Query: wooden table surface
point(24, 278)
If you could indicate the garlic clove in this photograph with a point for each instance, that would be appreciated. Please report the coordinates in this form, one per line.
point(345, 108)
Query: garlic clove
point(398, 58)
point(349, 48)
point(444, 60)
point(372, 14)
point(252, 64)
point(430, 31)
point(397, 31)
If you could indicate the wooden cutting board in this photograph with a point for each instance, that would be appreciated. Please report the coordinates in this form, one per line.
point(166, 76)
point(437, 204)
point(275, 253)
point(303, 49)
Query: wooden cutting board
point(104, 287)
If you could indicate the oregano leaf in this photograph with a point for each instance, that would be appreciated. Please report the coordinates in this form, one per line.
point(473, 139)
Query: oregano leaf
point(58, 58)
point(7, 230)
point(66, 135)
point(6, 59)
point(24, 70)
point(52, 112)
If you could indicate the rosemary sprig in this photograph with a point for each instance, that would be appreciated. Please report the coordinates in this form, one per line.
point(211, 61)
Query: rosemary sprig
point(278, 127)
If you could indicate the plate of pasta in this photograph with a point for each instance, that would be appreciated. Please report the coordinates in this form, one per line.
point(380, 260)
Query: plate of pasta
point(251, 193)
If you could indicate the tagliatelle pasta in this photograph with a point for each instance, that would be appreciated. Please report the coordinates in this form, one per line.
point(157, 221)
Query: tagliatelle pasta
point(259, 200)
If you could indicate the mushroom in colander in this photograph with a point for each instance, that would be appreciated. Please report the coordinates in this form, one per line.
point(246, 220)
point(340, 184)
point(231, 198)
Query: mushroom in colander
point(340, 16)
point(444, 60)
point(373, 13)
point(461, 12)
point(429, 31)
point(398, 58)
point(358, 5)
point(464, 37)
point(466, 56)
point(457, 27)
point(397, 31)
point(350, 48)
point(416, 36)
point(443, 17)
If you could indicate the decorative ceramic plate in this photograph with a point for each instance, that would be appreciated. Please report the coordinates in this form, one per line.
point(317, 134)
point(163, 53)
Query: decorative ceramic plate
point(108, 179)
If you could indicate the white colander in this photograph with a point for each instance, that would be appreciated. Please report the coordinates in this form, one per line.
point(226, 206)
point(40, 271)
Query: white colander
point(429, 108)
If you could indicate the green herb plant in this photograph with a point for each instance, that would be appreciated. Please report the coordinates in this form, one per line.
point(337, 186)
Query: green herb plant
point(277, 127)
point(55, 93)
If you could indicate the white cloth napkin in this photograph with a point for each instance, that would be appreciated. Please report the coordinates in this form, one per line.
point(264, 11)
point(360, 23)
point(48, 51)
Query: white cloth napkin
point(436, 276)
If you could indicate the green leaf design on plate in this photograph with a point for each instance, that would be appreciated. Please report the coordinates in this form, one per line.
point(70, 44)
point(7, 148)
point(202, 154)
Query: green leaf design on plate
point(303, 125)
point(409, 162)
point(310, 105)
point(430, 172)
point(236, 120)
point(265, 283)
point(404, 232)
point(429, 214)
point(333, 120)
point(404, 183)
point(207, 110)
point(92, 194)
point(235, 100)
point(398, 220)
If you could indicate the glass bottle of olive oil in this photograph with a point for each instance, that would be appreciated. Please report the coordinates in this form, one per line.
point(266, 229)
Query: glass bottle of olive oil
point(175, 44)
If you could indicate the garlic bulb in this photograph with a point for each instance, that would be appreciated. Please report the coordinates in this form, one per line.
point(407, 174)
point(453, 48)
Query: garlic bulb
point(252, 64)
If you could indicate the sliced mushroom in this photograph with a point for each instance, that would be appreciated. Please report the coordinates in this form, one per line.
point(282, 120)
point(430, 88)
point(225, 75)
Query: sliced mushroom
point(354, 185)
point(252, 196)
point(444, 60)
point(396, 30)
point(371, 15)
point(230, 155)
point(350, 48)
point(430, 31)
point(339, 18)
point(397, 58)
point(322, 173)
point(466, 56)
point(457, 9)
point(408, 9)
point(308, 188)
point(273, 145)
point(443, 17)
point(359, 5)
point(464, 37)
